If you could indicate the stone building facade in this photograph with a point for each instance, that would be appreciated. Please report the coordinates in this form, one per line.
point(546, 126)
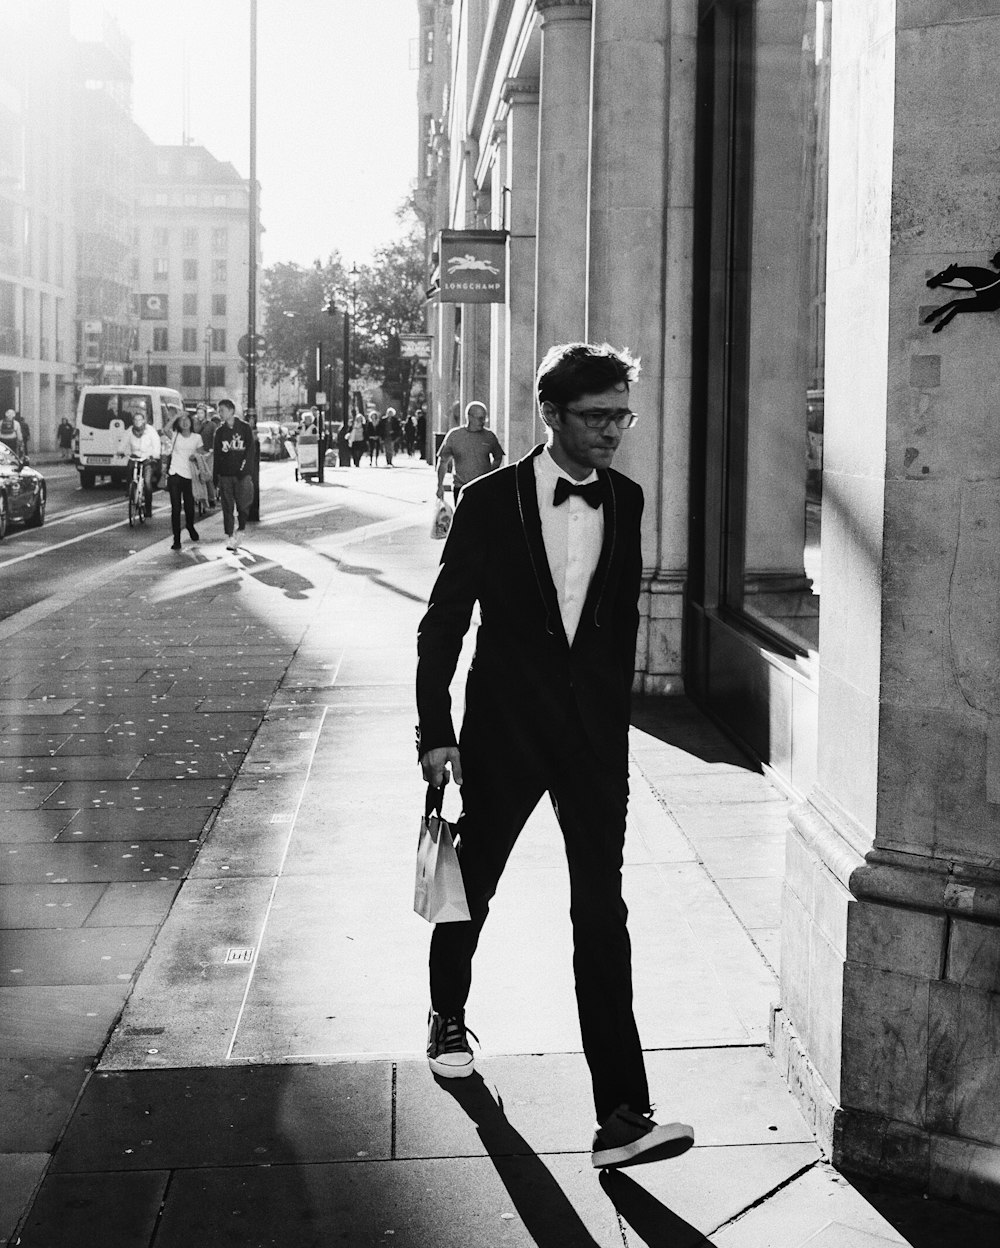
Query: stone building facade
point(755, 196)
point(192, 271)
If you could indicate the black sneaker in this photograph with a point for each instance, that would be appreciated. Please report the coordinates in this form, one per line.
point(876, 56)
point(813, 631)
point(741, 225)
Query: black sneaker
point(449, 1053)
point(176, 546)
point(625, 1138)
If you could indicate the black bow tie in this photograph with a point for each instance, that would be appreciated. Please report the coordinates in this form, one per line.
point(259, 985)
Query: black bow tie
point(592, 493)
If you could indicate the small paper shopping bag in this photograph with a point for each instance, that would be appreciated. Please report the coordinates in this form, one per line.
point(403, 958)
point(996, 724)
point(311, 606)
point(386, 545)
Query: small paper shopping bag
point(441, 522)
point(439, 893)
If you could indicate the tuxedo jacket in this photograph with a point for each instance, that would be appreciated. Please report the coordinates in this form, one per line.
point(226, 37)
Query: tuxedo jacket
point(526, 680)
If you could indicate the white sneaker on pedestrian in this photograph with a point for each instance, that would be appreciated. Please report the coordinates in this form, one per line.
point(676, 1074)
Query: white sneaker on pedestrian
point(449, 1053)
point(625, 1138)
point(237, 540)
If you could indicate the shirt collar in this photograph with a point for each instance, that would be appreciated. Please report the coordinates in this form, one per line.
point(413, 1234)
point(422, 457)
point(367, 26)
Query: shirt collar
point(551, 471)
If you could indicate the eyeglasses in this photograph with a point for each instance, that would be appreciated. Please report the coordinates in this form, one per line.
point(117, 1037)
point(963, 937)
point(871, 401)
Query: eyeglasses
point(597, 418)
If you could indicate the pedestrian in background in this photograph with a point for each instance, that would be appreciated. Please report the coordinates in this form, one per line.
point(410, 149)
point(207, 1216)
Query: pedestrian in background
point(409, 434)
point(232, 466)
point(389, 432)
point(550, 550)
point(372, 436)
point(25, 434)
point(65, 435)
point(422, 432)
point(183, 465)
point(358, 439)
point(10, 432)
point(471, 449)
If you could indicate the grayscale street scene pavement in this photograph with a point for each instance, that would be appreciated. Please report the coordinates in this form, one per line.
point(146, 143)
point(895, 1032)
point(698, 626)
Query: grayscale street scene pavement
point(212, 983)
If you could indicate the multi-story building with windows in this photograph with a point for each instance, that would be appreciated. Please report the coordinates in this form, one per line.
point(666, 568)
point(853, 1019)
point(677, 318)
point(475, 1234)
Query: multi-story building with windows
point(103, 154)
point(37, 253)
point(191, 271)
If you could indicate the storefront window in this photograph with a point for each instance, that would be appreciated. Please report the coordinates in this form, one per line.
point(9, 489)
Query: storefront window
point(781, 552)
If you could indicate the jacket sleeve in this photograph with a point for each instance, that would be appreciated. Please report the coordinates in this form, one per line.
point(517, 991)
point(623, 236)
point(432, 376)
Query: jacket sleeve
point(445, 623)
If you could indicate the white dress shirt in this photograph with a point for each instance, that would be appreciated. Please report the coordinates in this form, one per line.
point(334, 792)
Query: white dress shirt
point(148, 446)
point(572, 534)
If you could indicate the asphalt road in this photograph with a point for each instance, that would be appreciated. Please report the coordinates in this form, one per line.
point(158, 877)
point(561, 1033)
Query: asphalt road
point(86, 531)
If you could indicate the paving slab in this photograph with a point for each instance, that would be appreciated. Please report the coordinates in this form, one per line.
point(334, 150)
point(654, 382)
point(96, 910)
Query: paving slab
point(60, 1021)
point(114, 1210)
point(135, 795)
point(236, 1115)
point(67, 862)
point(47, 905)
point(730, 1096)
point(74, 956)
point(820, 1208)
point(513, 1203)
point(20, 1174)
point(38, 1092)
point(106, 823)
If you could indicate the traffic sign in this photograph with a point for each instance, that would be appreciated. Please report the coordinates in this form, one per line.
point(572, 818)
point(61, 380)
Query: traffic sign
point(243, 346)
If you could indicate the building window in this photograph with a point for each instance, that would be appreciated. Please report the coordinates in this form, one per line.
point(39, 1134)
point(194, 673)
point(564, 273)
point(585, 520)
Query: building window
point(192, 168)
point(161, 238)
point(163, 166)
point(218, 340)
point(220, 239)
point(219, 201)
point(157, 374)
point(190, 270)
point(190, 199)
point(189, 339)
point(219, 271)
point(216, 374)
point(160, 269)
point(161, 199)
point(190, 240)
point(190, 374)
point(190, 303)
point(160, 338)
point(218, 305)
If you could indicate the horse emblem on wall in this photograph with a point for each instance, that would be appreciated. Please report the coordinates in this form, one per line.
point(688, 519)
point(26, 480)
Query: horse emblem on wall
point(982, 286)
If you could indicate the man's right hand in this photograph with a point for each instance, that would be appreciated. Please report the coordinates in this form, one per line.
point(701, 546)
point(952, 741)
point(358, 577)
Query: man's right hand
point(435, 763)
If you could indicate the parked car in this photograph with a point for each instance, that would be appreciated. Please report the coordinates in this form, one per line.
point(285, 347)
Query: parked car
point(271, 437)
point(22, 492)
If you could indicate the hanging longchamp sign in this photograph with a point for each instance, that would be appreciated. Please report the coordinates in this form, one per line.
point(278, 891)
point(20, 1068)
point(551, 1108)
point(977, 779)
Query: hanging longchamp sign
point(473, 266)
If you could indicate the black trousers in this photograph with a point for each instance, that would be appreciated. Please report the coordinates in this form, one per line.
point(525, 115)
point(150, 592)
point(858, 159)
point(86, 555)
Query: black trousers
point(180, 488)
point(502, 785)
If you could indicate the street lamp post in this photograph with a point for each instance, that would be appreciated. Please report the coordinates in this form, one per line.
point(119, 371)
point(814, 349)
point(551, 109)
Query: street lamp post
point(208, 361)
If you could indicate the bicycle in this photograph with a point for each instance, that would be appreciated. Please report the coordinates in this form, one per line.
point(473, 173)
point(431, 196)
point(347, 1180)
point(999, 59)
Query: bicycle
point(136, 492)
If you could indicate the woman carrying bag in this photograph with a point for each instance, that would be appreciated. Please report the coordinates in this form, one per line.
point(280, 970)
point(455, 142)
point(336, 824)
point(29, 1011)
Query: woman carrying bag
point(180, 473)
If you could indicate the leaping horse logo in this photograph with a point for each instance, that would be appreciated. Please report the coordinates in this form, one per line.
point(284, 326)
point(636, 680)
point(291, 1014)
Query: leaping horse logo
point(983, 285)
point(462, 264)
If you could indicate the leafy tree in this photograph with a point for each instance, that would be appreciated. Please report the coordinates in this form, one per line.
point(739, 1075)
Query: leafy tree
point(389, 301)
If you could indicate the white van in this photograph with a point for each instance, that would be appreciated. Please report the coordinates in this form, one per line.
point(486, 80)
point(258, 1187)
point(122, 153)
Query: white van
point(104, 418)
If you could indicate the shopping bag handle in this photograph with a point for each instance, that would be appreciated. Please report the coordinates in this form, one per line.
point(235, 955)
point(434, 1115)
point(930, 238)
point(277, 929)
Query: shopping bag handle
point(434, 799)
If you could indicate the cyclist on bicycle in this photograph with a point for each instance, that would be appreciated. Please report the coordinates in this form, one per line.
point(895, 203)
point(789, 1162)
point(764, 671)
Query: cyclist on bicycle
point(144, 444)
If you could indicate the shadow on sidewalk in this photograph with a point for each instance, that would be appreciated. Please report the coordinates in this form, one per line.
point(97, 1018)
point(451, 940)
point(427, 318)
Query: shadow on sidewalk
point(678, 722)
point(542, 1205)
point(655, 1224)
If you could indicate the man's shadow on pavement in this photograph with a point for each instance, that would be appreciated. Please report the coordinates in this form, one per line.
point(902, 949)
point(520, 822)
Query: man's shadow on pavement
point(541, 1204)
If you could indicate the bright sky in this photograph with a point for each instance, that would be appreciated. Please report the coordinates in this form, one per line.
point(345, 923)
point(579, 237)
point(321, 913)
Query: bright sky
point(336, 107)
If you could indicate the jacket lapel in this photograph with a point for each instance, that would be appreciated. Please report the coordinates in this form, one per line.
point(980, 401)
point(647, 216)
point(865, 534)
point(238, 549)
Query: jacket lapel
point(531, 525)
point(592, 604)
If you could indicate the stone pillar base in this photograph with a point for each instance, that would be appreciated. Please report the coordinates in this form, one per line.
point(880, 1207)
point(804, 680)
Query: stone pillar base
point(658, 647)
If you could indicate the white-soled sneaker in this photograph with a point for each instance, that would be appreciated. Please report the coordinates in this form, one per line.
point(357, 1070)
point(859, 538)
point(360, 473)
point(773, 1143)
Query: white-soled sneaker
point(629, 1139)
point(449, 1053)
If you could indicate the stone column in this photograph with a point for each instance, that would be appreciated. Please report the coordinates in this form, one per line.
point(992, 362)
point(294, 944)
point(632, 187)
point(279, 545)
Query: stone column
point(521, 432)
point(497, 397)
point(891, 926)
point(563, 156)
point(638, 280)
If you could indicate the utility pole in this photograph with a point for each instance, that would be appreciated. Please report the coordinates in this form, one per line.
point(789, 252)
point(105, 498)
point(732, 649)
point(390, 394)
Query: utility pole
point(251, 412)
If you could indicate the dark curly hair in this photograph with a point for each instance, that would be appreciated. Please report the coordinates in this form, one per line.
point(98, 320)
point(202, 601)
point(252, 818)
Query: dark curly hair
point(575, 368)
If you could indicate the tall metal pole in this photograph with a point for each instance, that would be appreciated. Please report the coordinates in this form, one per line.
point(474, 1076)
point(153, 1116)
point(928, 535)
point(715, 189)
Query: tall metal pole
point(252, 267)
point(251, 412)
point(346, 400)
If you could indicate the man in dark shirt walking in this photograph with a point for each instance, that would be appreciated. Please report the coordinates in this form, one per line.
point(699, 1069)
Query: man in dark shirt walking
point(232, 471)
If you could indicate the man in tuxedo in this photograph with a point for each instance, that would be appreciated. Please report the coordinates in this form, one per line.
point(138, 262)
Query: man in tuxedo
point(550, 549)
